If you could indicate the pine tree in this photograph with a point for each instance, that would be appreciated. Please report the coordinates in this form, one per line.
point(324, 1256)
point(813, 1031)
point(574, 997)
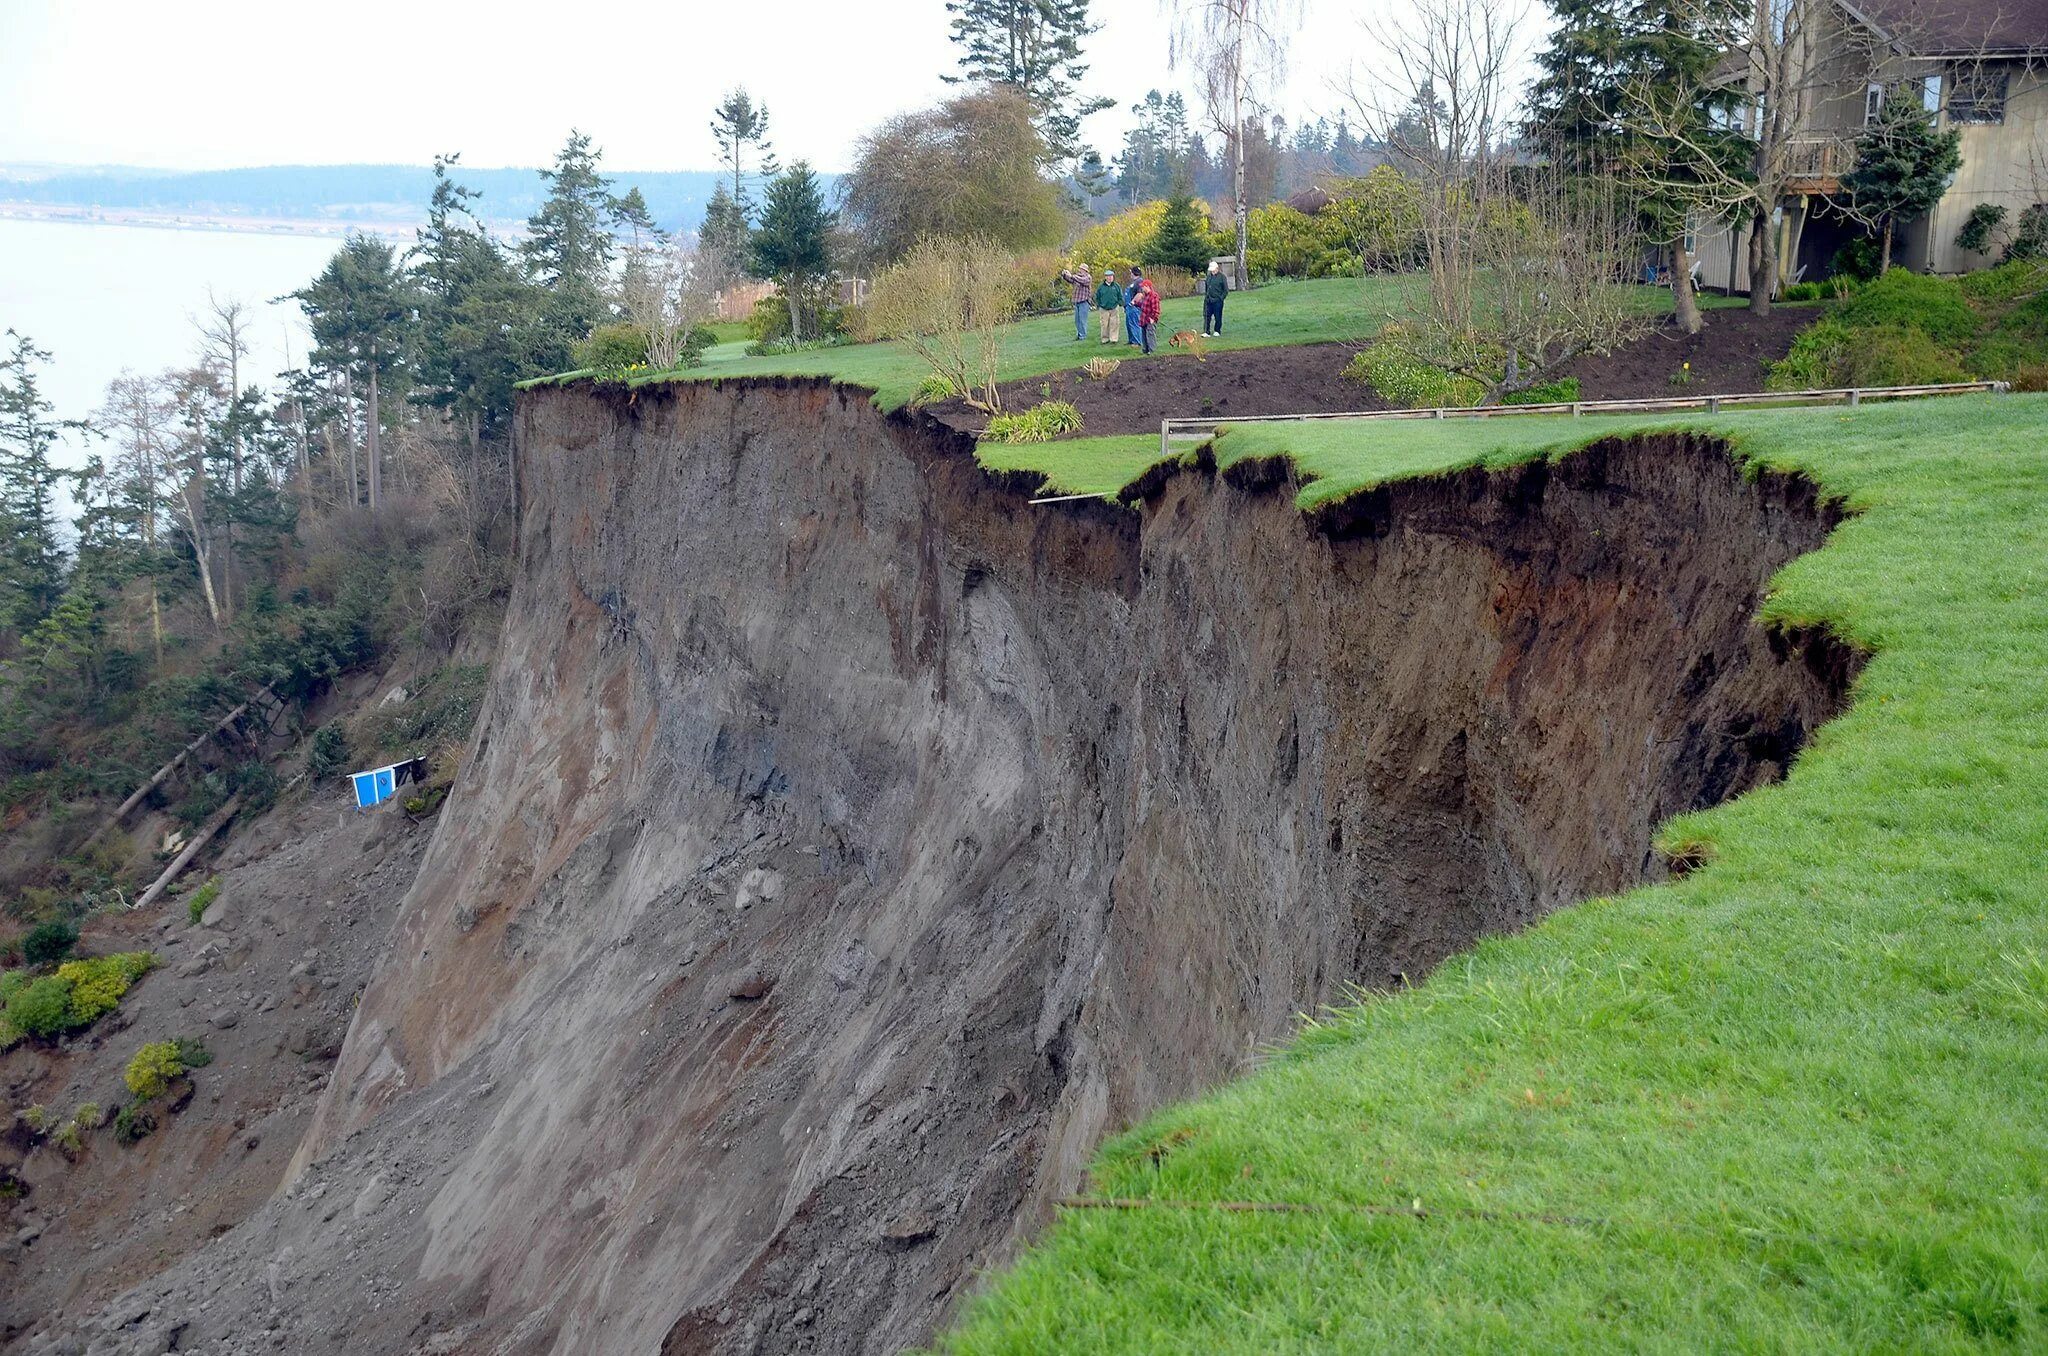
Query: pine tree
point(792, 243)
point(360, 310)
point(1903, 166)
point(1181, 241)
point(725, 227)
point(568, 249)
point(741, 126)
point(1573, 104)
point(1034, 45)
point(31, 554)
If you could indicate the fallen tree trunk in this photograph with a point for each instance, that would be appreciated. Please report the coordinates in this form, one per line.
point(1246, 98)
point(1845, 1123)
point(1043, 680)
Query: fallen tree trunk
point(184, 859)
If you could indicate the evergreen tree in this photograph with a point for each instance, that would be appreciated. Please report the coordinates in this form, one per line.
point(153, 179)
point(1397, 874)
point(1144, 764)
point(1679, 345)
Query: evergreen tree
point(792, 245)
point(1181, 241)
point(1575, 102)
point(1903, 166)
point(741, 126)
point(1605, 61)
point(360, 310)
point(568, 248)
point(725, 227)
point(31, 554)
point(1034, 45)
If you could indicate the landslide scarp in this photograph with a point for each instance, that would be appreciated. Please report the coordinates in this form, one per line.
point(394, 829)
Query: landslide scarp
point(848, 846)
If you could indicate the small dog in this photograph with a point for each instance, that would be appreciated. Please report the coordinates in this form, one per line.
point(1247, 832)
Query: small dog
point(1190, 341)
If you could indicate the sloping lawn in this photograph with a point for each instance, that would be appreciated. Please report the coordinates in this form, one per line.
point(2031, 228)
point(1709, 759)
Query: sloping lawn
point(1797, 1101)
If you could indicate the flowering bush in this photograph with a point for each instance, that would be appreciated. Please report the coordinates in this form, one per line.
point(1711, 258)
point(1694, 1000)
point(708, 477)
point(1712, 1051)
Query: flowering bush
point(152, 1070)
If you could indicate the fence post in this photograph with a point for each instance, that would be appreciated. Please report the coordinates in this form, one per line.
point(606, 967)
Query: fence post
point(1713, 405)
point(1438, 413)
point(1855, 396)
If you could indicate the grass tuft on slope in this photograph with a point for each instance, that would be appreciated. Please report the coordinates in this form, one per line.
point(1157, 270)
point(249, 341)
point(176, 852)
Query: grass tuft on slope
point(1795, 1101)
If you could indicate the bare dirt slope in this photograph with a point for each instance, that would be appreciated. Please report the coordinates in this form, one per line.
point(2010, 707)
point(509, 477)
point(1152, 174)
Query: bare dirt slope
point(846, 847)
point(269, 985)
point(1727, 357)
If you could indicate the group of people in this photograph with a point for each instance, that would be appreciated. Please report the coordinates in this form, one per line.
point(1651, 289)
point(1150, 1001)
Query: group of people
point(1135, 305)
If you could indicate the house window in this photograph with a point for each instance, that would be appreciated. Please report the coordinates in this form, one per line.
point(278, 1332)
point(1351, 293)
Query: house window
point(1978, 96)
point(1873, 103)
point(1930, 93)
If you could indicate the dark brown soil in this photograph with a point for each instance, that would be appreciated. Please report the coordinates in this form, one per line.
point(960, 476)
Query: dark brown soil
point(1727, 357)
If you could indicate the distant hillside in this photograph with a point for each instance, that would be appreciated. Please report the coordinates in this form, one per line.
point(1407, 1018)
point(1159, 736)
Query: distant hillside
point(339, 193)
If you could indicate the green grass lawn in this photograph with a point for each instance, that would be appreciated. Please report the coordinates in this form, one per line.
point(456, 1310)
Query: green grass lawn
point(1797, 1101)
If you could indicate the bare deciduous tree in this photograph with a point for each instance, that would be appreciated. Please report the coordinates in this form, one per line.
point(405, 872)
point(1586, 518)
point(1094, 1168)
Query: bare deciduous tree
point(1525, 265)
point(668, 290)
point(1236, 47)
point(948, 301)
point(139, 415)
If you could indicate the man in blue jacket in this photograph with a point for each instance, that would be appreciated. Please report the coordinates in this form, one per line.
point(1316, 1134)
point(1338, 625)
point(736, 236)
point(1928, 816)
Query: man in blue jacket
point(1132, 324)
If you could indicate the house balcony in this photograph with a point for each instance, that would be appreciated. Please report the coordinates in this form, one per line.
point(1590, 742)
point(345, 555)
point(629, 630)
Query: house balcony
point(1817, 164)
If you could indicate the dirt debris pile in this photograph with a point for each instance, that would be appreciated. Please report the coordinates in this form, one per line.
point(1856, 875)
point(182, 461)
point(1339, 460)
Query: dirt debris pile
point(847, 847)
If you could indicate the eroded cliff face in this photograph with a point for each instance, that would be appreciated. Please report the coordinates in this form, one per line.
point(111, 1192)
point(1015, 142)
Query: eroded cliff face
point(847, 846)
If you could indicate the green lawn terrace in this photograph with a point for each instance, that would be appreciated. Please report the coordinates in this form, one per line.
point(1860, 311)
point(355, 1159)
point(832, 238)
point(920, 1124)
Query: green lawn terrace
point(1796, 1100)
point(1323, 310)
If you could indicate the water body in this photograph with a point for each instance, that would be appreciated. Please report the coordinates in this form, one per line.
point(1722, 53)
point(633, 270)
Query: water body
point(105, 298)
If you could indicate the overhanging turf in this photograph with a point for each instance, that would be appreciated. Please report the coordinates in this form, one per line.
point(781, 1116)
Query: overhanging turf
point(1795, 1101)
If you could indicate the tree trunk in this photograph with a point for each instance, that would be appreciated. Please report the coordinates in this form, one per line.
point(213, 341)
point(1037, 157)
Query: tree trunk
point(1685, 303)
point(794, 297)
point(1885, 264)
point(1762, 264)
point(372, 448)
point(1243, 279)
point(348, 429)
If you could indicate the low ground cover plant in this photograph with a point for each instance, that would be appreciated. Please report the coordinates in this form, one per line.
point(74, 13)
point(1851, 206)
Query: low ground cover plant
point(1041, 423)
point(1403, 380)
point(202, 900)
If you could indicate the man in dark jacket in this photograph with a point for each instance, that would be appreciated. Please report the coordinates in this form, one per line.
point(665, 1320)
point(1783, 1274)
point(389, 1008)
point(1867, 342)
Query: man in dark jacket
point(1215, 287)
point(1131, 335)
point(1109, 299)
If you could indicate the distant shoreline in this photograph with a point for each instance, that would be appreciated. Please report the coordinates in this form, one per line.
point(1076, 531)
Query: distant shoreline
point(184, 221)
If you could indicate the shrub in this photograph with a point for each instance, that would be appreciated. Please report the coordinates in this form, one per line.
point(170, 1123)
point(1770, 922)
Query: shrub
point(1379, 217)
point(41, 1008)
point(1805, 291)
point(1037, 280)
point(1402, 379)
point(1118, 241)
point(1182, 240)
point(153, 1069)
point(1830, 353)
point(1563, 391)
point(2021, 280)
point(192, 1053)
point(1859, 259)
point(2030, 237)
point(202, 900)
point(48, 942)
point(769, 318)
point(950, 302)
point(1100, 369)
point(36, 1118)
point(1975, 236)
point(328, 755)
point(133, 1122)
point(1039, 424)
point(617, 347)
point(1934, 306)
point(96, 989)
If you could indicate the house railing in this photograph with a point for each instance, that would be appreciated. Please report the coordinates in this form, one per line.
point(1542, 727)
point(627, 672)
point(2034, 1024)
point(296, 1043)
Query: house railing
point(1823, 158)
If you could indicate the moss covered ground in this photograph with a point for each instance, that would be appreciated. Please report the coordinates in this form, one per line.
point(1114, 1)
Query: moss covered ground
point(1795, 1101)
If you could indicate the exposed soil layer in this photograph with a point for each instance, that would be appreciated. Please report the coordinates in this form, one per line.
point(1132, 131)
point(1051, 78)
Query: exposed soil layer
point(1727, 357)
point(847, 847)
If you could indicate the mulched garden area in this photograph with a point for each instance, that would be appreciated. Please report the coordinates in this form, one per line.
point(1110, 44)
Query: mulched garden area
point(1727, 357)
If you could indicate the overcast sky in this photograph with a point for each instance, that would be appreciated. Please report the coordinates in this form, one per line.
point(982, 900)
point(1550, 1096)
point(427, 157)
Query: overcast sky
point(219, 83)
